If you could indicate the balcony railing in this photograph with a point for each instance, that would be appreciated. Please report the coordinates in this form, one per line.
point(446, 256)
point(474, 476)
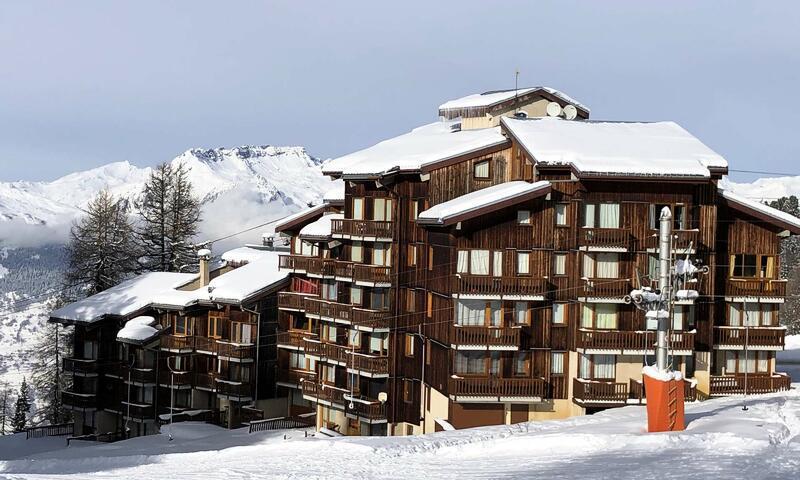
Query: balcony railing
point(79, 400)
point(327, 351)
point(598, 392)
point(737, 337)
point(604, 237)
point(293, 262)
point(294, 339)
point(293, 301)
point(486, 285)
point(756, 287)
point(490, 336)
point(177, 343)
point(372, 365)
point(139, 410)
point(178, 379)
point(296, 377)
point(638, 393)
point(607, 287)
point(372, 273)
point(206, 344)
point(362, 228)
point(371, 319)
point(755, 383)
point(324, 267)
point(80, 366)
point(138, 375)
point(236, 389)
point(631, 340)
point(324, 393)
point(236, 351)
point(344, 270)
point(681, 239)
point(365, 408)
point(328, 309)
point(207, 381)
point(498, 387)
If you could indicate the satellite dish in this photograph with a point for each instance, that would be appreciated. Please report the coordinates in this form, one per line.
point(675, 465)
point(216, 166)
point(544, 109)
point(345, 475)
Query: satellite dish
point(570, 112)
point(553, 109)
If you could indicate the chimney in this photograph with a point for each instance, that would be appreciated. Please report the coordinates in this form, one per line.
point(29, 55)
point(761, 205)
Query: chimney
point(204, 255)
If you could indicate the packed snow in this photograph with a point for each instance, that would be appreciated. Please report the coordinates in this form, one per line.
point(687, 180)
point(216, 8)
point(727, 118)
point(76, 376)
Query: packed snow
point(138, 329)
point(616, 148)
point(320, 228)
point(487, 99)
point(415, 150)
point(441, 213)
point(242, 255)
point(665, 376)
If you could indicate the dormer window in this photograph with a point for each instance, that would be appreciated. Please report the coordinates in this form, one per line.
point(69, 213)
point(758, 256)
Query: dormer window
point(481, 169)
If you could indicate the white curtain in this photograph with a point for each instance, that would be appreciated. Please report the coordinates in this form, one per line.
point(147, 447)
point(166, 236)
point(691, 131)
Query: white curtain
point(584, 367)
point(523, 263)
point(557, 363)
point(603, 366)
point(496, 313)
point(588, 215)
point(354, 337)
point(379, 209)
point(730, 362)
point(471, 312)
point(561, 213)
point(586, 316)
point(521, 363)
point(482, 170)
point(609, 215)
point(678, 316)
point(388, 209)
point(559, 313)
point(376, 342)
point(463, 262)
point(605, 315)
point(357, 252)
point(734, 315)
point(330, 333)
point(470, 363)
point(479, 262)
point(358, 209)
point(521, 312)
point(356, 296)
point(768, 316)
point(559, 264)
point(494, 363)
point(751, 314)
point(497, 264)
point(588, 265)
point(763, 362)
point(607, 265)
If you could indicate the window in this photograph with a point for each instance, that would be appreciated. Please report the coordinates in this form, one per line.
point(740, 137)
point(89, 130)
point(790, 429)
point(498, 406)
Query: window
point(409, 350)
point(561, 214)
point(497, 263)
point(756, 361)
point(90, 348)
point(524, 217)
point(521, 313)
point(559, 313)
point(329, 290)
point(559, 264)
point(597, 367)
point(481, 169)
point(358, 209)
point(242, 332)
point(328, 332)
point(382, 254)
point(357, 252)
point(523, 263)
point(298, 361)
point(183, 325)
point(356, 296)
point(429, 305)
point(752, 266)
point(752, 314)
point(479, 262)
point(354, 338)
point(413, 209)
point(470, 362)
point(601, 316)
point(430, 258)
point(377, 343)
point(411, 300)
point(683, 317)
point(215, 325)
point(557, 363)
point(412, 255)
point(652, 266)
point(522, 364)
point(476, 262)
point(382, 209)
point(679, 215)
point(602, 215)
point(379, 300)
point(408, 390)
point(462, 265)
point(601, 265)
point(479, 313)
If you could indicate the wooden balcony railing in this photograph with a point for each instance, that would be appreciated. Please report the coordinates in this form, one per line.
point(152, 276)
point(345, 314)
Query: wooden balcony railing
point(362, 228)
point(344, 270)
point(372, 273)
point(205, 344)
point(604, 237)
point(327, 351)
point(752, 336)
point(296, 377)
point(370, 364)
point(756, 383)
point(631, 340)
point(326, 308)
point(293, 262)
point(638, 393)
point(491, 336)
point(324, 267)
point(510, 285)
point(498, 387)
point(236, 351)
point(138, 375)
point(294, 301)
point(139, 410)
point(176, 342)
point(234, 388)
point(681, 239)
point(178, 379)
point(756, 287)
point(365, 408)
point(607, 287)
point(294, 339)
point(79, 400)
point(207, 381)
point(375, 319)
point(81, 366)
point(323, 392)
point(599, 393)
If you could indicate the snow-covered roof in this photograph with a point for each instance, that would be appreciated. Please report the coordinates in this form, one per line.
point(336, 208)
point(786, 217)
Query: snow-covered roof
point(657, 149)
point(235, 286)
point(124, 299)
point(306, 213)
point(244, 255)
point(487, 99)
point(335, 195)
point(482, 201)
point(785, 220)
point(321, 228)
point(410, 152)
point(138, 330)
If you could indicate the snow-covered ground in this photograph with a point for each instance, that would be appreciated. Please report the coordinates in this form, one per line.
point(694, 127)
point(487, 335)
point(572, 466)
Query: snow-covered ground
point(721, 441)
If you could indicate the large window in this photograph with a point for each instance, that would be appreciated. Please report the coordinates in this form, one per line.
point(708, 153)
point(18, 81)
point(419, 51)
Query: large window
point(752, 314)
point(679, 211)
point(298, 361)
point(521, 313)
point(382, 209)
point(559, 264)
point(358, 209)
point(597, 367)
point(523, 263)
point(557, 363)
point(477, 363)
point(329, 290)
point(379, 300)
point(307, 249)
point(601, 316)
point(480, 262)
point(479, 313)
point(559, 313)
point(602, 215)
point(756, 361)
point(683, 317)
point(752, 266)
point(382, 254)
point(357, 252)
point(601, 265)
point(522, 364)
point(215, 325)
point(182, 326)
point(561, 214)
point(242, 332)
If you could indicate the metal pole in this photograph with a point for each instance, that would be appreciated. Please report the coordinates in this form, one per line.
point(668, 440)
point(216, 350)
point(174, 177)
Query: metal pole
point(746, 359)
point(664, 267)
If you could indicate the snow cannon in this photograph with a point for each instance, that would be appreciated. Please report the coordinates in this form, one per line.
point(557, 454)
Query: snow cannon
point(664, 392)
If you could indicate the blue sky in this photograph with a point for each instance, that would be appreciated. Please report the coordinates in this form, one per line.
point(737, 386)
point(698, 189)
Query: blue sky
point(83, 83)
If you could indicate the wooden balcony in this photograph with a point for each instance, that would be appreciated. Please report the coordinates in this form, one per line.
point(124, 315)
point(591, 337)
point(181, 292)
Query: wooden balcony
point(330, 352)
point(80, 366)
point(608, 239)
point(514, 286)
point(294, 339)
point(625, 342)
point(371, 320)
point(681, 239)
point(236, 352)
point(205, 381)
point(294, 263)
point(79, 401)
point(756, 383)
point(591, 393)
point(372, 275)
point(320, 308)
point(344, 271)
point(322, 393)
point(139, 376)
point(365, 409)
point(756, 338)
point(293, 301)
point(501, 338)
point(138, 410)
point(473, 388)
point(321, 267)
point(606, 287)
point(372, 366)
point(206, 345)
point(176, 343)
point(362, 229)
point(234, 390)
point(178, 379)
point(756, 287)
point(293, 378)
point(639, 395)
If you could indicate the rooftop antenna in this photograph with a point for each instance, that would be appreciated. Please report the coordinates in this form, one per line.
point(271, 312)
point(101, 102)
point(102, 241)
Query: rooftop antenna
point(516, 90)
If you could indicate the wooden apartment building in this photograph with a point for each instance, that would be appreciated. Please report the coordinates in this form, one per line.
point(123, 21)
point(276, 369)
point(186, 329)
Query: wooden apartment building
point(476, 269)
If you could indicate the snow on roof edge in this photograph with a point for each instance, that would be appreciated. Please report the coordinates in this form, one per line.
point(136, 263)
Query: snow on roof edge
point(762, 208)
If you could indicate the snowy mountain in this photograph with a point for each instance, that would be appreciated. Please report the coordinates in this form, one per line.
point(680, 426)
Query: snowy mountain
point(765, 189)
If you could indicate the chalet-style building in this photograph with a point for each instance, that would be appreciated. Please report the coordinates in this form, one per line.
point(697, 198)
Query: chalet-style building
point(200, 346)
point(476, 271)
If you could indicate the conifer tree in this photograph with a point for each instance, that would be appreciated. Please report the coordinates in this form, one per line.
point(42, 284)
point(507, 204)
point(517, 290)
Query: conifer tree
point(790, 267)
point(21, 408)
point(101, 251)
point(5, 408)
point(47, 378)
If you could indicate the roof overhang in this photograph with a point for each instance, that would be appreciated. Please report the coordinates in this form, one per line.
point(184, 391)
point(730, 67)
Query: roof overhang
point(298, 220)
point(761, 215)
